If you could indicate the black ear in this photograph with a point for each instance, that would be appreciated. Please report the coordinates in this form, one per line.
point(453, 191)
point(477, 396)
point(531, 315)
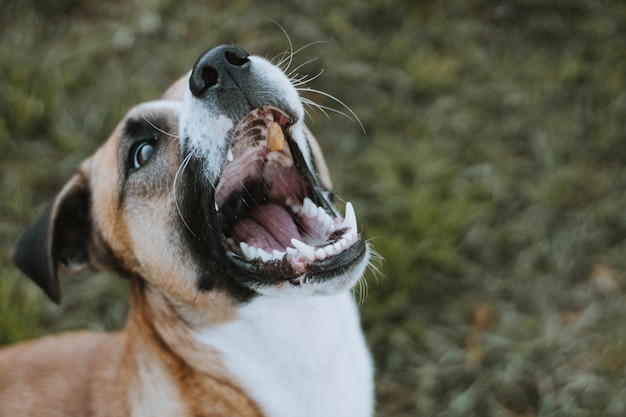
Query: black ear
point(61, 234)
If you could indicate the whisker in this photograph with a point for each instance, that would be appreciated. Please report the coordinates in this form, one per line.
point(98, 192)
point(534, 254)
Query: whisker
point(293, 71)
point(353, 116)
point(376, 261)
point(158, 129)
point(311, 103)
point(279, 57)
point(364, 290)
point(304, 80)
point(180, 169)
point(293, 54)
point(289, 53)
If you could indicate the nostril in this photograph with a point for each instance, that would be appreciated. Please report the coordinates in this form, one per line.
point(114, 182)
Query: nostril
point(210, 76)
point(203, 78)
point(236, 56)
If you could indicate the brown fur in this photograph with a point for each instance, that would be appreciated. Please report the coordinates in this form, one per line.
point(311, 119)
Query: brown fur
point(155, 357)
point(91, 374)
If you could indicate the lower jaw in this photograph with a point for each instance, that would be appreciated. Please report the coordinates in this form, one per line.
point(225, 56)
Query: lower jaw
point(336, 268)
point(315, 285)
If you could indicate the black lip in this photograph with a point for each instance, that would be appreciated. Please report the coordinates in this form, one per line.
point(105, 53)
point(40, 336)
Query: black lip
point(253, 272)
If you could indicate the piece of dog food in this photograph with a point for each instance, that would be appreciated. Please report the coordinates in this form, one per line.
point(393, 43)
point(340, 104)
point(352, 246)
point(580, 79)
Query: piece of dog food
point(275, 137)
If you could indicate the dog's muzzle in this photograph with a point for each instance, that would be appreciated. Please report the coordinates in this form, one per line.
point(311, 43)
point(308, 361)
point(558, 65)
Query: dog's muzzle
point(267, 217)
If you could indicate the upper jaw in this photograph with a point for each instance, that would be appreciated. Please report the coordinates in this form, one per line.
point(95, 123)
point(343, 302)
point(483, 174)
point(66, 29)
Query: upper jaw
point(269, 219)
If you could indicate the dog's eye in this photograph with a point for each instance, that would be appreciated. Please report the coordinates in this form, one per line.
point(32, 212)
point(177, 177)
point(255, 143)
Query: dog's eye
point(142, 152)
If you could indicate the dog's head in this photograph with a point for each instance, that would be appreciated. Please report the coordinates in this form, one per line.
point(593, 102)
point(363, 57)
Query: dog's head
point(218, 186)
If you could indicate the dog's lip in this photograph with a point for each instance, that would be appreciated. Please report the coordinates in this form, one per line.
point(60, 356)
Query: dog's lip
point(277, 272)
point(294, 261)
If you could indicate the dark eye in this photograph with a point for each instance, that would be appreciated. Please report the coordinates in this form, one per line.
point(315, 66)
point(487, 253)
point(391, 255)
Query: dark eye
point(141, 153)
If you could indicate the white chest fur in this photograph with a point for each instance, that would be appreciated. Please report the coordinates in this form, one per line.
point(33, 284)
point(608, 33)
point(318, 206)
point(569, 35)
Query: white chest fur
point(299, 357)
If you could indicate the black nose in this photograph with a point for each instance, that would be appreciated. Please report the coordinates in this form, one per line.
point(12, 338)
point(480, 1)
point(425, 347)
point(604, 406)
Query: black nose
point(223, 66)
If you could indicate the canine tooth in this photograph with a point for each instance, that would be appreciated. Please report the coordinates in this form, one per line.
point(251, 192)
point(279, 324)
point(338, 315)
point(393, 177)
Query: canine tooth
point(278, 254)
point(275, 137)
point(264, 255)
point(306, 250)
point(229, 155)
point(349, 219)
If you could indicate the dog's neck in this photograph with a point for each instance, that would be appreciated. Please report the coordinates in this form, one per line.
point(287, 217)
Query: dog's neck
point(161, 347)
point(294, 357)
point(298, 357)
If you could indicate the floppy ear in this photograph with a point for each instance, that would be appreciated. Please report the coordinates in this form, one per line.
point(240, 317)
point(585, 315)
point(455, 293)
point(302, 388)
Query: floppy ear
point(60, 235)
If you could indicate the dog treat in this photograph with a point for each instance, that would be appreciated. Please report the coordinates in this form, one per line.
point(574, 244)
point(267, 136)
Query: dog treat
point(275, 137)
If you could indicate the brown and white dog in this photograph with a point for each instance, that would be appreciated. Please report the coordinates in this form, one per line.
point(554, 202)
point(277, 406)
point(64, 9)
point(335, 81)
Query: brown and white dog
point(215, 202)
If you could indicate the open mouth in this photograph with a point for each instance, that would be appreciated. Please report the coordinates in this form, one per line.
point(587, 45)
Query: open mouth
point(276, 219)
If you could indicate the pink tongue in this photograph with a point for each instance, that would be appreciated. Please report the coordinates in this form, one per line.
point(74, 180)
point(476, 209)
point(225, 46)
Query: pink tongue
point(269, 227)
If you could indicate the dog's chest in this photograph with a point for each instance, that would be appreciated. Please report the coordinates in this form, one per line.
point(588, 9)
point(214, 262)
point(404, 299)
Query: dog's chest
point(299, 357)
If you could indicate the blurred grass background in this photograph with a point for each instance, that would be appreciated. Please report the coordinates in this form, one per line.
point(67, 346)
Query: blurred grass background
point(491, 177)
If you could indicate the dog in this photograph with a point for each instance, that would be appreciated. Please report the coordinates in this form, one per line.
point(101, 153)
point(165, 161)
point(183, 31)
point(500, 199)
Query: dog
point(216, 203)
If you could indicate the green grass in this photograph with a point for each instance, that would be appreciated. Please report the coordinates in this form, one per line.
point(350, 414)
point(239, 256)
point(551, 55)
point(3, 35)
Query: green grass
point(491, 175)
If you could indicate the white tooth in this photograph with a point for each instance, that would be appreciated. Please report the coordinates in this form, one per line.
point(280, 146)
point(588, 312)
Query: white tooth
point(349, 219)
point(321, 254)
point(216, 207)
point(229, 156)
point(309, 208)
point(291, 251)
point(264, 255)
point(245, 249)
point(306, 204)
point(306, 250)
point(328, 221)
point(330, 250)
point(321, 215)
point(337, 247)
point(278, 255)
point(343, 243)
point(295, 207)
point(273, 156)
